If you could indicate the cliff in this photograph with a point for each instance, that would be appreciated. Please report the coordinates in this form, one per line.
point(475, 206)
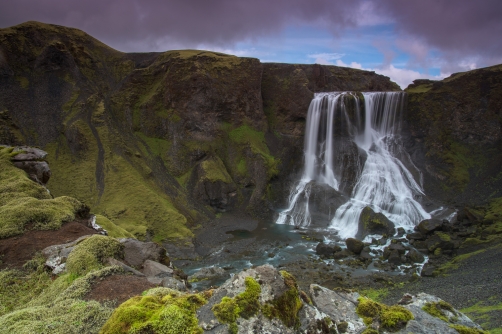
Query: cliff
point(158, 142)
point(454, 129)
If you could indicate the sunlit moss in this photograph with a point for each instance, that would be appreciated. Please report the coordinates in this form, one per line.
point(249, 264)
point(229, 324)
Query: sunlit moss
point(391, 317)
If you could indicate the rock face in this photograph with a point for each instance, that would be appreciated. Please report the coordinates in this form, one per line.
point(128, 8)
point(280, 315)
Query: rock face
point(165, 139)
point(371, 222)
point(454, 132)
point(32, 161)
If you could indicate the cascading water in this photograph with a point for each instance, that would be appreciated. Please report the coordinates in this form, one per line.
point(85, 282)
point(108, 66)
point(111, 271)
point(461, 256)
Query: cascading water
point(334, 132)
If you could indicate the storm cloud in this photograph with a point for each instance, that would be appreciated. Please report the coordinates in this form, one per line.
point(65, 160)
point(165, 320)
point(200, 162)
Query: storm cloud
point(445, 32)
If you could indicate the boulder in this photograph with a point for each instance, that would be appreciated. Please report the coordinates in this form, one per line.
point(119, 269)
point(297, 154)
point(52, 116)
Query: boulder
point(371, 222)
point(31, 161)
point(354, 245)
point(327, 250)
point(429, 225)
point(137, 252)
point(415, 256)
point(340, 306)
point(173, 283)
point(152, 268)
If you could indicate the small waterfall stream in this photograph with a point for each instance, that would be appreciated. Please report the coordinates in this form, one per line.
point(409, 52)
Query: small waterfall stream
point(380, 173)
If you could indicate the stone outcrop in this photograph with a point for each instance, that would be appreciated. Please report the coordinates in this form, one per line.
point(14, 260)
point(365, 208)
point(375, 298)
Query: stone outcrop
point(371, 222)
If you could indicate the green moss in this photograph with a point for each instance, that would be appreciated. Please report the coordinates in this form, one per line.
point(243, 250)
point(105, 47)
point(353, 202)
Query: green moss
point(46, 214)
point(242, 167)
point(162, 311)
point(214, 170)
point(443, 236)
point(23, 81)
point(456, 261)
point(467, 330)
point(90, 253)
point(37, 304)
point(286, 306)
point(256, 142)
point(244, 305)
point(370, 331)
point(112, 229)
point(437, 310)
point(486, 313)
point(391, 317)
point(375, 294)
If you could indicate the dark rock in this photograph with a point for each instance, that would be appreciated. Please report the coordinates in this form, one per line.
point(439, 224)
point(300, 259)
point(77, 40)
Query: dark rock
point(428, 270)
point(137, 252)
point(366, 253)
point(415, 256)
point(415, 236)
point(152, 268)
point(401, 231)
point(439, 240)
point(342, 254)
point(371, 222)
point(398, 247)
point(429, 225)
point(327, 249)
point(394, 257)
point(31, 161)
point(354, 245)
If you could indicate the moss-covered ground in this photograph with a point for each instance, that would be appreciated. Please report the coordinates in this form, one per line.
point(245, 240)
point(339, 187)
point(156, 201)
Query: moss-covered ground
point(160, 310)
point(390, 317)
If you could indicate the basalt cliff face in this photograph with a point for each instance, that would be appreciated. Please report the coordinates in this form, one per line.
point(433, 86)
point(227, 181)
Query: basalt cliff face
point(454, 128)
point(159, 142)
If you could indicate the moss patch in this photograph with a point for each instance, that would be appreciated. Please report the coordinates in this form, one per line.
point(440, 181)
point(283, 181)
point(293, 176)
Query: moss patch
point(244, 305)
point(438, 310)
point(485, 313)
point(91, 252)
point(160, 310)
point(467, 330)
point(286, 306)
point(391, 317)
point(214, 170)
point(112, 229)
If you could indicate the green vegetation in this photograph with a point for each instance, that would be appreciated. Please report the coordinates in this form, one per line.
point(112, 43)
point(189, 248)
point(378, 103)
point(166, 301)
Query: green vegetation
point(467, 330)
point(23, 201)
point(256, 142)
point(485, 313)
point(390, 317)
point(286, 306)
point(90, 253)
point(438, 310)
point(244, 305)
point(455, 262)
point(112, 229)
point(375, 294)
point(215, 170)
point(160, 310)
point(46, 214)
point(31, 302)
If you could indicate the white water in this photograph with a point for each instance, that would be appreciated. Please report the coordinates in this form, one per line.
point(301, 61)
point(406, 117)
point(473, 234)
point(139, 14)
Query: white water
point(384, 183)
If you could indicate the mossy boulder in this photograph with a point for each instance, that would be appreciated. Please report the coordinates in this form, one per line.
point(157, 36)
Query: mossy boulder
point(371, 222)
point(91, 253)
point(160, 310)
point(354, 245)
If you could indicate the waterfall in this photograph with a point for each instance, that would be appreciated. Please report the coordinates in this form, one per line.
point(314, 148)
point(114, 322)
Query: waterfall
point(336, 129)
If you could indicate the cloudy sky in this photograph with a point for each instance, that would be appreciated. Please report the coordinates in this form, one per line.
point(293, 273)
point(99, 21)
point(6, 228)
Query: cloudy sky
point(405, 40)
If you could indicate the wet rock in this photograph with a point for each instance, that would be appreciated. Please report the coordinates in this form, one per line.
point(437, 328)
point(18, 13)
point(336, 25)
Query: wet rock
point(401, 231)
point(342, 254)
point(366, 253)
point(371, 222)
point(415, 256)
point(354, 245)
point(394, 258)
point(415, 236)
point(208, 274)
point(398, 247)
point(137, 252)
point(327, 250)
point(439, 240)
point(152, 268)
point(429, 225)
